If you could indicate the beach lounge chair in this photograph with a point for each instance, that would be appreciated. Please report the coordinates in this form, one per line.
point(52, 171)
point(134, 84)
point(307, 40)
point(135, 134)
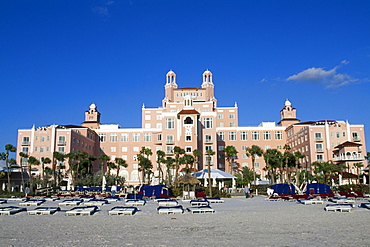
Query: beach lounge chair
point(112, 198)
point(214, 200)
point(11, 210)
point(123, 211)
point(70, 202)
point(135, 202)
point(342, 200)
point(32, 202)
point(170, 210)
point(43, 210)
point(89, 210)
point(3, 201)
point(167, 202)
point(87, 198)
point(95, 202)
point(339, 207)
point(199, 202)
point(311, 201)
point(364, 205)
point(201, 210)
point(51, 198)
point(18, 199)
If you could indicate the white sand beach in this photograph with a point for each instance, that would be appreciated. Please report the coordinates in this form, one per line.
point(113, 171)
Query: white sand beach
point(237, 222)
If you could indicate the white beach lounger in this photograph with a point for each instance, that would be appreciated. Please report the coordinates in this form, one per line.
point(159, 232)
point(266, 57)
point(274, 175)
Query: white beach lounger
point(32, 203)
point(135, 202)
point(70, 203)
point(343, 200)
point(123, 211)
point(82, 211)
point(95, 203)
point(112, 199)
point(170, 210)
point(43, 211)
point(11, 210)
point(201, 210)
point(167, 203)
point(311, 201)
point(199, 203)
point(51, 198)
point(215, 200)
point(3, 201)
point(339, 208)
point(18, 199)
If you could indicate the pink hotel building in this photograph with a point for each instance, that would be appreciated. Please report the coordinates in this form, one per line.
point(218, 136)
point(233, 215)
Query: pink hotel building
point(191, 119)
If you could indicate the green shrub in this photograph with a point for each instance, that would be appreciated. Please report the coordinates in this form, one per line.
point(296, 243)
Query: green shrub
point(262, 189)
point(364, 188)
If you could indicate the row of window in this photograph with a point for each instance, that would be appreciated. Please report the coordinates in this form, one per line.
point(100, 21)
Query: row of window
point(113, 137)
point(267, 135)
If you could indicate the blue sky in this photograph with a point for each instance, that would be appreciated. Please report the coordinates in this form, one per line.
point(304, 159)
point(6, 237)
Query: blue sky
point(57, 57)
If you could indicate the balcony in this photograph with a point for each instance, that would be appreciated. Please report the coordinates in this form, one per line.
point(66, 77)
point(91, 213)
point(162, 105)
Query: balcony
point(356, 139)
point(318, 139)
point(349, 158)
point(208, 141)
point(170, 142)
point(319, 150)
point(25, 143)
point(61, 143)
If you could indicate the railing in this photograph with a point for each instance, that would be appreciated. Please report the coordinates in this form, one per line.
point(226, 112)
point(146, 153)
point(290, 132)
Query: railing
point(318, 139)
point(319, 150)
point(170, 141)
point(209, 141)
point(356, 139)
point(349, 158)
point(61, 142)
point(25, 143)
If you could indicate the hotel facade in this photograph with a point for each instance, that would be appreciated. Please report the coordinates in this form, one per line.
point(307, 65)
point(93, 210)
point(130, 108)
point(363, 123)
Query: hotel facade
point(191, 119)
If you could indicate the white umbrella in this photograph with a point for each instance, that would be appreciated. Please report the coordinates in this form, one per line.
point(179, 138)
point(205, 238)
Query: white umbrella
point(103, 183)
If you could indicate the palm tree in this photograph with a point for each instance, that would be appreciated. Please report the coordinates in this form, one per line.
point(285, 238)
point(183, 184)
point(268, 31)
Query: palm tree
point(253, 152)
point(57, 158)
point(32, 161)
point(8, 148)
point(188, 160)
point(230, 153)
point(297, 156)
point(120, 163)
point(160, 160)
point(111, 166)
point(78, 156)
point(196, 154)
point(178, 152)
point(169, 161)
point(272, 158)
point(23, 156)
point(145, 163)
point(43, 162)
point(103, 158)
point(209, 153)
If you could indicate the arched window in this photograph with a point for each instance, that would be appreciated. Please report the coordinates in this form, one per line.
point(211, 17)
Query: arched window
point(188, 120)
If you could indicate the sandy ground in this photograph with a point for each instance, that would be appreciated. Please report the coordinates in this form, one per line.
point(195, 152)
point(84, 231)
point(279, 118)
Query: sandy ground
point(237, 222)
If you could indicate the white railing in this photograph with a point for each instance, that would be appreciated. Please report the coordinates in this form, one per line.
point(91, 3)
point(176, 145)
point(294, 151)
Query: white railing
point(318, 139)
point(348, 158)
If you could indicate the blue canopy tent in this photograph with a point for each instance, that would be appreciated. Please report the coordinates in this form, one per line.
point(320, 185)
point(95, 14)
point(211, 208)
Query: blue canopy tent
point(155, 190)
point(317, 188)
point(283, 188)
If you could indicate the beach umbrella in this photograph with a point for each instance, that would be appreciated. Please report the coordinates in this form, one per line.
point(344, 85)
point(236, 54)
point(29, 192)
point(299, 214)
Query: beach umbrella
point(104, 182)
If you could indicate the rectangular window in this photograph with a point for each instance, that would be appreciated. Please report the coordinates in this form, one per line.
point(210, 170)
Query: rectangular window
point(220, 124)
point(232, 124)
point(255, 135)
point(170, 123)
point(232, 136)
point(102, 137)
point(344, 134)
point(267, 147)
point(279, 147)
point(113, 137)
point(188, 138)
point(244, 148)
point(148, 117)
point(355, 136)
point(170, 139)
point(124, 137)
point(207, 122)
point(221, 148)
point(220, 116)
point(124, 149)
point(159, 117)
point(243, 135)
point(61, 150)
point(188, 149)
point(208, 138)
point(221, 156)
point(147, 126)
point(159, 137)
point(113, 149)
point(244, 156)
point(158, 125)
point(42, 139)
point(61, 140)
point(338, 134)
point(135, 137)
point(245, 164)
point(41, 149)
point(318, 136)
point(278, 135)
point(124, 157)
point(267, 135)
point(221, 136)
point(147, 137)
point(208, 147)
point(256, 164)
point(25, 150)
point(136, 149)
point(319, 147)
point(319, 157)
point(25, 140)
point(169, 149)
point(232, 116)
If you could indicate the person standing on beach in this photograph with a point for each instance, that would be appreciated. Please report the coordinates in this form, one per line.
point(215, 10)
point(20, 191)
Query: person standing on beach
point(246, 191)
point(113, 190)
